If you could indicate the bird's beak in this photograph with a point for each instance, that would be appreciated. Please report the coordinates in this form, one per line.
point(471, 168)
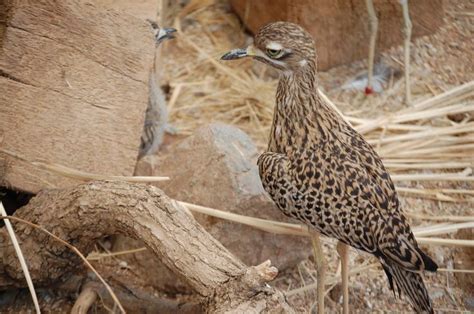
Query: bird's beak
point(164, 33)
point(239, 53)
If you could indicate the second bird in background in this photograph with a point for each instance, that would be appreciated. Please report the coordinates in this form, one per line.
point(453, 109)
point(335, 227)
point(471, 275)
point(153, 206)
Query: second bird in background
point(156, 116)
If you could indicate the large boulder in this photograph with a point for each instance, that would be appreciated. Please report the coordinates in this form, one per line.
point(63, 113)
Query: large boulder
point(216, 167)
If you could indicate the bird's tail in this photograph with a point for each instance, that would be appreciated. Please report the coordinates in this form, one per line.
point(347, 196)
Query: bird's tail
point(412, 285)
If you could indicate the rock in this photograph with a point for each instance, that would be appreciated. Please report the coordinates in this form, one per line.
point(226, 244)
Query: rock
point(216, 167)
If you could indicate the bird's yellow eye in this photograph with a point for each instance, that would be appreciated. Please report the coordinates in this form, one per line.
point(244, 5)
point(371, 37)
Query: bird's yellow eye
point(273, 53)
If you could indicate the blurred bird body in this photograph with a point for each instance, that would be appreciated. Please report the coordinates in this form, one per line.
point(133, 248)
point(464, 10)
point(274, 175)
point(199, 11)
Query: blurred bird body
point(320, 171)
point(156, 116)
point(382, 75)
point(156, 119)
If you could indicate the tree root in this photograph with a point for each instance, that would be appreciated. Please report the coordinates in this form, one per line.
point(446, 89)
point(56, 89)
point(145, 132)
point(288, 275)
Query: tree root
point(88, 212)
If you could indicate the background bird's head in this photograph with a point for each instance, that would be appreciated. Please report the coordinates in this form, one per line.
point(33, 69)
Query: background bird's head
point(283, 45)
point(161, 34)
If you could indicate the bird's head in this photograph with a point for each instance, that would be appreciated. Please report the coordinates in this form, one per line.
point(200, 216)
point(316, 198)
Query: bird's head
point(283, 45)
point(162, 34)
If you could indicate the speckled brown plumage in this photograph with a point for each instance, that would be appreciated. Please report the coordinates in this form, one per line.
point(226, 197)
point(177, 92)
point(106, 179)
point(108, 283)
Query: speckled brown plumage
point(319, 170)
point(156, 116)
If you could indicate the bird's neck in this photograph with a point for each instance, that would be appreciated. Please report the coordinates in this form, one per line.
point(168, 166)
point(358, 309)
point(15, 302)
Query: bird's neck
point(301, 117)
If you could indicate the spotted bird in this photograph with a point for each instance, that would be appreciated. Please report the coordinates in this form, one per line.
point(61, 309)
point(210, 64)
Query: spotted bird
point(320, 171)
point(156, 116)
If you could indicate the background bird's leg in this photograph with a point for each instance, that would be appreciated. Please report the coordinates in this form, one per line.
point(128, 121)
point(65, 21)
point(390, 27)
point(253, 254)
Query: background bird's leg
point(407, 33)
point(343, 251)
point(373, 38)
point(321, 268)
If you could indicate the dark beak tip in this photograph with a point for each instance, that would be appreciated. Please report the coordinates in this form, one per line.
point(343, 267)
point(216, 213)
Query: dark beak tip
point(166, 33)
point(234, 54)
point(226, 56)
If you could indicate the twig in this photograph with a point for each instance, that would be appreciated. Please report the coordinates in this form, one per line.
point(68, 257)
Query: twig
point(441, 218)
point(442, 229)
point(449, 270)
point(86, 298)
point(262, 224)
point(94, 256)
point(80, 175)
point(463, 91)
point(439, 165)
point(456, 94)
point(445, 242)
point(432, 177)
point(426, 134)
point(21, 258)
point(302, 230)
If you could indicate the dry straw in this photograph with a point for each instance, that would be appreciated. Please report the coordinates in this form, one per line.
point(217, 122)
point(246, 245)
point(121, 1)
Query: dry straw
point(81, 175)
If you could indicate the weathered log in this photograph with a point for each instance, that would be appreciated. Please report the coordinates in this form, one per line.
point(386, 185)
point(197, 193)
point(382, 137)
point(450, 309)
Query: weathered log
point(73, 89)
point(88, 212)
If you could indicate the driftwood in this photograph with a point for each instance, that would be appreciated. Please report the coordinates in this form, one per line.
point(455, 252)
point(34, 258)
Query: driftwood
point(86, 213)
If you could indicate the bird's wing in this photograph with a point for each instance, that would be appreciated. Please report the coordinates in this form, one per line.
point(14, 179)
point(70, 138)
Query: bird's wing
point(363, 172)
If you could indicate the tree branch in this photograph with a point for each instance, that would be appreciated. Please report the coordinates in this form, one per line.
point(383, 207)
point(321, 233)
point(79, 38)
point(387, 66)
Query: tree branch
point(88, 212)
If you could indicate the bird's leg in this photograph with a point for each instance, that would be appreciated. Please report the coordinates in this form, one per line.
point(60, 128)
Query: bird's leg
point(407, 33)
point(321, 269)
point(373, 38)
point(343, 251)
